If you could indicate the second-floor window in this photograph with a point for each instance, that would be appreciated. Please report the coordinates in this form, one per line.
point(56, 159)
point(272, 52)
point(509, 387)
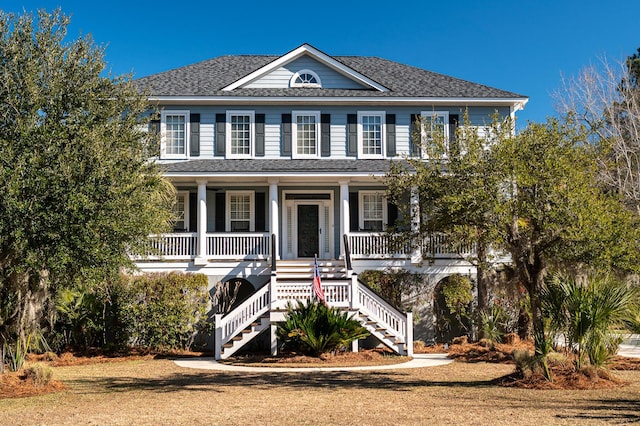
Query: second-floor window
point(174, 130)
point(306, 134)
point(240, 134)
point(435, 127)
point(371, 134)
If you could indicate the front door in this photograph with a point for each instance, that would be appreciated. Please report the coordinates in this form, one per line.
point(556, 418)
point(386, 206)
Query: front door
point(308, 230)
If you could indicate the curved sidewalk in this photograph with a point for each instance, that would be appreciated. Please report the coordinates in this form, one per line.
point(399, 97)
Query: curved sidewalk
point(418, 361)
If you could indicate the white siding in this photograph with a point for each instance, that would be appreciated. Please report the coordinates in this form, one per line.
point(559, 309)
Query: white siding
point(403, 134)
point(207, 127)
point(338, 135)
point(272, 136)
point(280, 77)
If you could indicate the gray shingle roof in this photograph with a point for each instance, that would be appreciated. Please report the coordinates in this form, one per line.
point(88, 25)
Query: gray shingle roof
point(207, 78)
point(267, 166)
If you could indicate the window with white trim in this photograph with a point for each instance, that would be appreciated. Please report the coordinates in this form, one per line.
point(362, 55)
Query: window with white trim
point(371, 134)
point(373, 214)
point(240, 134)
point(306, 134)
point(305, 78)
point(240, 217)
point(435, 127)
point(174, 130)
point(181, 211)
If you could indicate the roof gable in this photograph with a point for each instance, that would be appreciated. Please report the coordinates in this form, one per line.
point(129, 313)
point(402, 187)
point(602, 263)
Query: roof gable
point(283, 77)
point(287, 62)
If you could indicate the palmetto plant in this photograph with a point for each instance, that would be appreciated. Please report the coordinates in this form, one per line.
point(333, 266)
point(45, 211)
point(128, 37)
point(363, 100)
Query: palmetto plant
point(588, 314)
point(314, 328)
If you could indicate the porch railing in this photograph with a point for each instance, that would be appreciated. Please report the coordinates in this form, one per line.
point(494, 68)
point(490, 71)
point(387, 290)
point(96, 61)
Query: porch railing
point(238, 245)
point(171, 246)
point(336, 294)
point(183, 246)
point(372, 245)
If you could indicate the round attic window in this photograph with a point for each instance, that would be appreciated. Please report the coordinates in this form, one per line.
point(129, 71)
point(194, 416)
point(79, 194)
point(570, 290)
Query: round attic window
point(305, 78)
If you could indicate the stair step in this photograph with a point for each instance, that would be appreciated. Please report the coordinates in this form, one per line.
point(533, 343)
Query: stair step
point(227, 345)
point(237, 338)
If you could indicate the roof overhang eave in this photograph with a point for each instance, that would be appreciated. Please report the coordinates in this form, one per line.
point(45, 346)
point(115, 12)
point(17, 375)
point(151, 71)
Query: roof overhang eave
point(516, 102)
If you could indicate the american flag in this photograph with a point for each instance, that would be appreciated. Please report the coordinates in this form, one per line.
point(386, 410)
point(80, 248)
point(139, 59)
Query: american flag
point(317, 285)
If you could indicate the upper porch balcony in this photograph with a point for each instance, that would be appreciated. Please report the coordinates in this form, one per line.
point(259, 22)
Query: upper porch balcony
point(258, 246)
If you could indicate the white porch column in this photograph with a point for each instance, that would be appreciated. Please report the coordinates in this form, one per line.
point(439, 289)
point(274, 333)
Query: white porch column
point(344, 214)
point(416, 255)
point(274, 215)
point(201, 257)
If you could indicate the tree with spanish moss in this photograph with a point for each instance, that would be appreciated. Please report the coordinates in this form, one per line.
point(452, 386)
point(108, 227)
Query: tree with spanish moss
point(77, 189)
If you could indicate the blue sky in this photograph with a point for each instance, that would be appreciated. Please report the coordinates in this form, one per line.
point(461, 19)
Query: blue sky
point(521, 46)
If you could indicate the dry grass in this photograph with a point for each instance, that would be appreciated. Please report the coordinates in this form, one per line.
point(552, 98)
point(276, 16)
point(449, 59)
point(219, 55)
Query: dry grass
point(158, 392)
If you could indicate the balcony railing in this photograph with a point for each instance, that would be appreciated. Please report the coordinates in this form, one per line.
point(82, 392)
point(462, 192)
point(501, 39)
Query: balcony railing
point(371, 245)
point(257, 246)
point(183, 246)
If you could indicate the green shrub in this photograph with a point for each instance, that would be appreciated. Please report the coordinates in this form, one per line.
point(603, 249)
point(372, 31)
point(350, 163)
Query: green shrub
point(392, 284)
point(314, 328)
point(494, 323)
point(588, 313)
point(164, 311)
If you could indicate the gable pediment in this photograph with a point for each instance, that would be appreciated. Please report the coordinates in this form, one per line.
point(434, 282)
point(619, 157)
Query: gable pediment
point(329, 73)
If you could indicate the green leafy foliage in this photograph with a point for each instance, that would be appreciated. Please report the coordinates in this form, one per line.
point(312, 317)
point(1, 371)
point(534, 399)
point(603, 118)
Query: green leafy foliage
point(314, 328)
point(79, 315)
point(164, 311)
point(589, 314)
point(77, 189)
point(494, 323)
point(392, 285)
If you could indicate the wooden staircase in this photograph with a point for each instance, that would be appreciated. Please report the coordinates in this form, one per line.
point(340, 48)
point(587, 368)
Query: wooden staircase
point(291, 283)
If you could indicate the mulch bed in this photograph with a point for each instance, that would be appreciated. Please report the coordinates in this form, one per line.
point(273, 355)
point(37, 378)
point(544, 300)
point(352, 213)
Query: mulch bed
point(339, 359)
point(17, 385)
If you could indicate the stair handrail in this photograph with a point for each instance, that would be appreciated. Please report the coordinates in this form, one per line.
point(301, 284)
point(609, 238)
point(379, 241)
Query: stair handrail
point(347, 252)
point(385, 313)
point(243, 315)
point(273, 252)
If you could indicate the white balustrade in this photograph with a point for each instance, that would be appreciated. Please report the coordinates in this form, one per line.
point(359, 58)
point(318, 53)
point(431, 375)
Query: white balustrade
point(381, 311)
point(183, 246)
point(238, 245)
point(336, 294)
point(172, 246)
point(372, 245)
point(243, 316)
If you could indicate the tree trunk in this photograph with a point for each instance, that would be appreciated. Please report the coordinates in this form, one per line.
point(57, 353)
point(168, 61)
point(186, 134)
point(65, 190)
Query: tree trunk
point(481, 285)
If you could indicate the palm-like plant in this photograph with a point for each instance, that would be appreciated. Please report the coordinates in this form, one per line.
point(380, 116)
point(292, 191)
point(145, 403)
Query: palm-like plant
point(588, 314)
point(315, 328)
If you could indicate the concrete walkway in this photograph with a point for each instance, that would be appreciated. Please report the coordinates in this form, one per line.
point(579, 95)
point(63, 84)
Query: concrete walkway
point(418, 361)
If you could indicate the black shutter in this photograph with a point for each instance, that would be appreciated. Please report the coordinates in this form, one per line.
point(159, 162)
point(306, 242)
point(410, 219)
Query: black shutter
point(352, 135)
point(391, 135)
point(453, 126)
point(261, 212)
point(392, 214)
point(286, 134)
point(193, 212)
point(154, 127)
point(415, 136)
point(221, 127)
point(259, 135)
point(354, 215)
point(194, 123)
point(325, 135)
point(221, 206)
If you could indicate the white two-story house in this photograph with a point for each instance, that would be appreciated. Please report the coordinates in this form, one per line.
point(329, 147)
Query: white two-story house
point(278, 159)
